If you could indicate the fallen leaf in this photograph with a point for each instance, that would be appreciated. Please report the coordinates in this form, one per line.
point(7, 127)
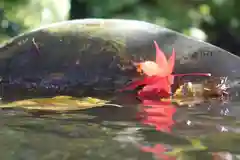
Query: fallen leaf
point(58, 103)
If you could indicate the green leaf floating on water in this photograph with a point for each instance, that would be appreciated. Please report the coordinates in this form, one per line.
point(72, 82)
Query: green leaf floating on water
point(58, 103)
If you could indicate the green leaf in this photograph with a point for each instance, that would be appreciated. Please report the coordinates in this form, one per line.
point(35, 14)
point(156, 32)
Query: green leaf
point(204, 10)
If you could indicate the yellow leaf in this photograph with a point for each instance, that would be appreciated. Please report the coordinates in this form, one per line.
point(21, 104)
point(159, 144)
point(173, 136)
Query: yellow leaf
point(58, 103)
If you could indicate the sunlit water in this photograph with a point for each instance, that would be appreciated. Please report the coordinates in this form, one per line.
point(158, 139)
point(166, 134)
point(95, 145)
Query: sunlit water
point(162, 131)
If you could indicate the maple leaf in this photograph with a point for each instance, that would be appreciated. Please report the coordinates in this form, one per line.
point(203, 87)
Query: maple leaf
point(158, 75)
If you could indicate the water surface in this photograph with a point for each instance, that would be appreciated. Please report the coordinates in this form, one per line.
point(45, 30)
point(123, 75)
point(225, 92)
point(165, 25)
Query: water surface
point(134, 132)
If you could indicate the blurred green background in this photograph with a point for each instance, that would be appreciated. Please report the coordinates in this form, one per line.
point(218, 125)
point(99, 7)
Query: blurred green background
point(215, 21)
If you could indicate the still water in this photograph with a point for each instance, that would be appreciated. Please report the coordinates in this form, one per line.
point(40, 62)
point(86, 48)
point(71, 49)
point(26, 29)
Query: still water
point(147, 131)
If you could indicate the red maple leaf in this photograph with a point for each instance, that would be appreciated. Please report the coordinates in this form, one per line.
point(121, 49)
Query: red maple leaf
point(158, 75)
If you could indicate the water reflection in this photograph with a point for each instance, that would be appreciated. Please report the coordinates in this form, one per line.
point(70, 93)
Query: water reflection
point(147, 130)
point(209, 128)
point(160, 115)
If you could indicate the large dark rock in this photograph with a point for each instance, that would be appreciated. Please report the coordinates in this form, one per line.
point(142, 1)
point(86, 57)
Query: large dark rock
point(74, 57)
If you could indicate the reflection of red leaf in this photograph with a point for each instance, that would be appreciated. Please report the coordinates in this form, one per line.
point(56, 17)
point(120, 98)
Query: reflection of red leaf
point(161, 111)
point(159, 108)
point(158, 114)
point(160, 123)
point(156, 103)
point(158, 150)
